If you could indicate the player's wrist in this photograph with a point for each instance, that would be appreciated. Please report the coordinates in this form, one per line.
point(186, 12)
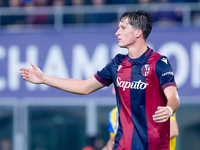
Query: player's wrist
point(170, 109)
point(45, 79)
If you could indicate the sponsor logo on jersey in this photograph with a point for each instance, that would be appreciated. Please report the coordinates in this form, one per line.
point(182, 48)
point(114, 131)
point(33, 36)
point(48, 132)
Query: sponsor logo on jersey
point(168, 73)
point(164, 60)
point(145, 70)
point(132, 85)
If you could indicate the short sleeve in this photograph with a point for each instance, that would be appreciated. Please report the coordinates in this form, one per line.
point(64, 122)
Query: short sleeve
point(109, 73)
point(164, 72)
point(104, 76)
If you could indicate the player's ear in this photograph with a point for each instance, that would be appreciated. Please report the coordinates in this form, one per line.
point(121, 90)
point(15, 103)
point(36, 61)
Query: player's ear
point(138, 33)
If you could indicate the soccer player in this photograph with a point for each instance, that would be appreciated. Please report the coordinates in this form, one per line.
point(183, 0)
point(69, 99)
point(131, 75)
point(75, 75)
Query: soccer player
point(113, 125)
point(146, 91)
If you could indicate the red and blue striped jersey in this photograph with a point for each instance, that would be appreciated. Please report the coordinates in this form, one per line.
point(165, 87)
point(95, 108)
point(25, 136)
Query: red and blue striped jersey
point(139, 85)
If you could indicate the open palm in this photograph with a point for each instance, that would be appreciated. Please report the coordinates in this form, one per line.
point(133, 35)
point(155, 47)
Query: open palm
point(33, 75)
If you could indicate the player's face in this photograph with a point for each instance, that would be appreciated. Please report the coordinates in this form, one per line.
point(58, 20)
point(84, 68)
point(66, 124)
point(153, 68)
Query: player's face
point(126, 34)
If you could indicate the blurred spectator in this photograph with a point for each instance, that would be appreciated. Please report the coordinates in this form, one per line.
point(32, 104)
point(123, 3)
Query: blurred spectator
point(95, 143)
point(35, 18)
point(77, 2)
point(41, 2)
point(78, 18)
point(100, 17)
point(13, 19)
point(15, 3)
point(160, 17)
point(144, 2)
point(58, 5)
point(5, 144)
point(196, 18)
point(98, 143)
point(28, 3)
point(165, 18)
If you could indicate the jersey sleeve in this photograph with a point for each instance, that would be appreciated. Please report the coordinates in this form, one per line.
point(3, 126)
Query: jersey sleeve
point(164, 73)
point(104, 76)
point(109, 72)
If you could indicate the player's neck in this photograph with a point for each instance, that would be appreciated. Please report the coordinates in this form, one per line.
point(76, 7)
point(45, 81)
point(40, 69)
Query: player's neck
point(136, 51)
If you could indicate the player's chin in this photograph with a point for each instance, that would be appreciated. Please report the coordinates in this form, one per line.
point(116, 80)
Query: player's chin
point(122, 46)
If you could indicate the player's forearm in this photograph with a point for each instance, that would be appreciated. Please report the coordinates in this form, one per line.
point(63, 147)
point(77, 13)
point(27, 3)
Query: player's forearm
point(174, 103)
point(68, 85)
point(172, 97)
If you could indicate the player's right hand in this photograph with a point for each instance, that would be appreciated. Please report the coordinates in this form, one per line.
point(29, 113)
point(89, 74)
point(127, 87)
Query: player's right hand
point(33, 75)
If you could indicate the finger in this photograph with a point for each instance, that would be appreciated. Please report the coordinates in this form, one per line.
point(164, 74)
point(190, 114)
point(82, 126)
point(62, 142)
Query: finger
point(159, 116)
point(159, 107)
point(160, 110)
point(160, 119)
point(156, 117)
point(25, 72)
point(22, 69)
point(22, 73)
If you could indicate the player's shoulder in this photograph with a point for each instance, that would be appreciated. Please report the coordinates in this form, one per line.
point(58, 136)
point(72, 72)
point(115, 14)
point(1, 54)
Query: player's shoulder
point(162, 61)
point(163, 66)
point(119, 58)
point(156, 55)
point(159, 58)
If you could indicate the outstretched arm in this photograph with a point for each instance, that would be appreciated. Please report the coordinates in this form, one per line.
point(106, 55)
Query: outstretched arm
point(163, 113)
point(36, 76)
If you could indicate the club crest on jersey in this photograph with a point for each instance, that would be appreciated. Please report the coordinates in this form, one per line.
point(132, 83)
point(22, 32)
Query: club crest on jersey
point(145, 70)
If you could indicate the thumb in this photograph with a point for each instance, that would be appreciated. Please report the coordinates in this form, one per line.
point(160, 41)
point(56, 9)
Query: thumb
point(33, 65)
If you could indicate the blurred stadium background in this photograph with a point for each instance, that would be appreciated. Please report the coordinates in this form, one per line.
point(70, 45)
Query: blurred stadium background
point(75, 39)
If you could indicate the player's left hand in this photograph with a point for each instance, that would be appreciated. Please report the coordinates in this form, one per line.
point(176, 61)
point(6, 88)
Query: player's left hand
point(162, 114)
